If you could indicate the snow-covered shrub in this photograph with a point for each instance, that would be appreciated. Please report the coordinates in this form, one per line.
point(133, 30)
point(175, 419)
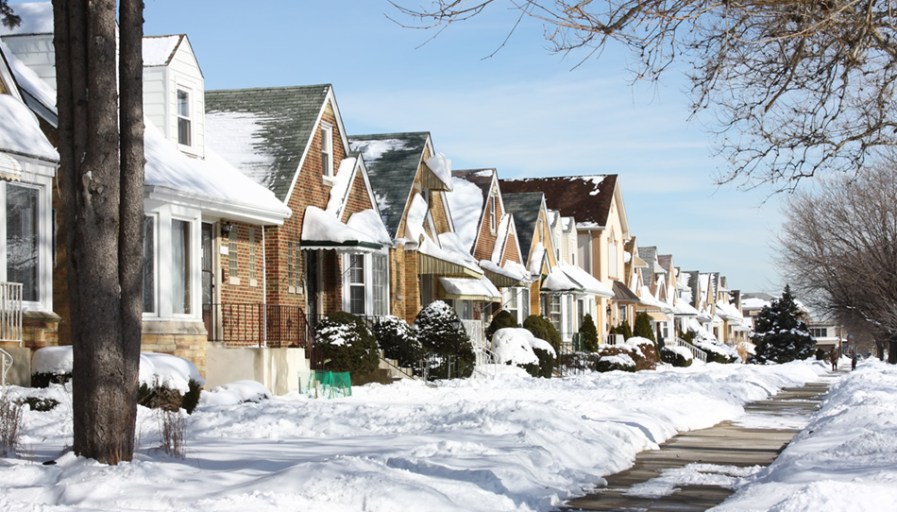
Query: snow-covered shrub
point(517, 346)
point(168, 382)
point(51, 365)
point(347, 344)
point(398, 341)
point(502, 320)
point(642, 352)
point(10, 423)
point(620, 361)
point(448, 348)
point(542, 329)
point(677, 356)
point(716, 352)
point(588, 334)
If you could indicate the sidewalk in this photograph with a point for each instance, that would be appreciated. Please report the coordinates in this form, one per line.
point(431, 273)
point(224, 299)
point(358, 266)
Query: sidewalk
point(725, 451)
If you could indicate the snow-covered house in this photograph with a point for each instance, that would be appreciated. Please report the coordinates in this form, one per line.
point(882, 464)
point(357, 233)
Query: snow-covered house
point(596, 204)
point(531, 217)
point(429, 261)
point(28, 163)
point(332, 253)
point(190, 194)
point(488, 231)
point(654, 293)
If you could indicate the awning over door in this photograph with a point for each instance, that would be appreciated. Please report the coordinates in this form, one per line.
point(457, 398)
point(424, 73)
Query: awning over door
point(460, 288)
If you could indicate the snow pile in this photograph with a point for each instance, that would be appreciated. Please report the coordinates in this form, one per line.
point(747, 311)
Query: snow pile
point(682, 351)
point(846, 458)
point(235, 393)
point(52, 360)
point(504, 443)
point(621, 360)
point(514, 345)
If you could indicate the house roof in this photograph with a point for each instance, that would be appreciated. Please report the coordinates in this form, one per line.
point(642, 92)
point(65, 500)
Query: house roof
point(525, 209)
point(159, 50)
point(392, 161)
point(622, 293)
point(482, 178)
point(586, 198)
point(666, 262)
point(265, 132)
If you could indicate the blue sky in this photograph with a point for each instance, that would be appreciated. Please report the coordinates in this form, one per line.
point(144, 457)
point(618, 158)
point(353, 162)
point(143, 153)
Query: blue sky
point(524, 111)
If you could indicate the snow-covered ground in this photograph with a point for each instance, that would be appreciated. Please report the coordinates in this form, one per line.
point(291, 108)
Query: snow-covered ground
point(509, 442)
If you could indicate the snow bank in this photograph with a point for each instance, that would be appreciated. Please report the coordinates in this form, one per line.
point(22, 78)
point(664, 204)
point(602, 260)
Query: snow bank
point(53, 360)
point(235, 393)
point(846, 458)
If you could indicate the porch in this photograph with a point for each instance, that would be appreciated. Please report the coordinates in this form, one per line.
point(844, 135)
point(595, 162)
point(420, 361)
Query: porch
point(257, 325)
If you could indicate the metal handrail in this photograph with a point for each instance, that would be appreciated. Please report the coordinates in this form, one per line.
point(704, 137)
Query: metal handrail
point(697, 353)
point(6, 362)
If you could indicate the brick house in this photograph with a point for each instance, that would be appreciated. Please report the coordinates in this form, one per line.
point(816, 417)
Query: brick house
point(428, 261)
point(332, 253)
point(531, 218)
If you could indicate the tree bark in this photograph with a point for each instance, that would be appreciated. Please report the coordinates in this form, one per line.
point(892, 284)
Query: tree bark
point(97, 215)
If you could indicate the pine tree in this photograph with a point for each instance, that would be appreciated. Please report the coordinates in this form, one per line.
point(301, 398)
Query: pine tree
point(643, 327)
point(446, 342)
point(780, 335)
point(589, 334)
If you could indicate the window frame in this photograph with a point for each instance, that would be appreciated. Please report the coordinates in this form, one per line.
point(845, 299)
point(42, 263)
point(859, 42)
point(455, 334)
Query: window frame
point(44, 242)
point(327, 166)
point(186, 118)
point(373, 305)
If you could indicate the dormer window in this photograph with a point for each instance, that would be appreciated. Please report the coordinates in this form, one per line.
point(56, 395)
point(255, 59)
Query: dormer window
point(327, 150)
point(184, 123)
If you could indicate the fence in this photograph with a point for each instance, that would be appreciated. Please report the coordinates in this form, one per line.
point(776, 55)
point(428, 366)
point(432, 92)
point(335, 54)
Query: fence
point(270, 325)
point(11, 312)
point(695, 351)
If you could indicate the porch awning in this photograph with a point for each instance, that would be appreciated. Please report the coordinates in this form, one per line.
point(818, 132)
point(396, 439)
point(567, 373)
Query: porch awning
point(10, 168)
point(470, 289)
point(323, 230)
point(569, 278)
point(505, 277)
point(682, 308)
point(658, 316)
point(436, 260)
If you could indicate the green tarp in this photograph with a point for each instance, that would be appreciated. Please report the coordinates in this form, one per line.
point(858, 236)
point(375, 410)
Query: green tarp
point(325, 384)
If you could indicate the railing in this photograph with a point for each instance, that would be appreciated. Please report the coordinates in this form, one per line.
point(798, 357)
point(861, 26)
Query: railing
point(11, 312)
point(695, 351)
point(271, 325)
point(475, 332)
point(5, 365)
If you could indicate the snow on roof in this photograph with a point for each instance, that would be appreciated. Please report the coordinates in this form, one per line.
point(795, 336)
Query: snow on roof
point(649, 299)
point(372, 150)
point(28, 80)
point(451, 243)
point(441, 167)
point(501, 237)
point(755, 303)
point(471, 288)
point(37, 18)
point(510, 269)
point(683, 308)
point(20, 131)
point(535, 263)
point(587, 282)
point(729, 312)
point(210, 178)
point(158, 50)
point(340, 184)
point(322, 226)
point(237, 137)
point(414, 221)
point(466, 204)
point(368, 221)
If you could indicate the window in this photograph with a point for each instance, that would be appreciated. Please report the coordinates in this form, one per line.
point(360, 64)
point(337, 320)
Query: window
point(252, 253)
point(149, 264)
point(524, 303)
point(291, 265)
point(184, 129)
point(356, 284)
point(232, 263)
point(492, 220)
point(381, 284)
point(819, 332)
point(554, 311)
point(180, 257)
point(570, 315)
point(511, 304)
point(623, 317)
point(22, 239)
point(297, 252)
point(327, 150)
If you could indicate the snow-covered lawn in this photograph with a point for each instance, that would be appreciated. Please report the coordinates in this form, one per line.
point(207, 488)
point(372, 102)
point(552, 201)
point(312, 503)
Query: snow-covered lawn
point(504, 443)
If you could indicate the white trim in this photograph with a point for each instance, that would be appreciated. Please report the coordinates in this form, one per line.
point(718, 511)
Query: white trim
point(326, 131)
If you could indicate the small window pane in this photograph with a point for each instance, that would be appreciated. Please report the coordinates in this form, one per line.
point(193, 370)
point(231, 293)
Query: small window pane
point(149, 265)
point(232, 255)
point(180, 251)
point(22, 239)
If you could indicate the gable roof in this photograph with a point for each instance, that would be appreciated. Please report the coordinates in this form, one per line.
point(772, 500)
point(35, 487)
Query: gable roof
point(525, 209)
point(585, 198)
point(159, 50)
point(265, 132)
point(392, 161)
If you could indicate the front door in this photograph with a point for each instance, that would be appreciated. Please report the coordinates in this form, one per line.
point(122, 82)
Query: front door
point(208, 280)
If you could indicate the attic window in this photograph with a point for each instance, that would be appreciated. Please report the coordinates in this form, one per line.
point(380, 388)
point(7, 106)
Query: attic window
point(492, 214)
point(327, 150)
point(184, 130)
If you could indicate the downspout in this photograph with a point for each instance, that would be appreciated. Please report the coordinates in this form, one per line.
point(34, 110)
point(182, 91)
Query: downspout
point(264, 291)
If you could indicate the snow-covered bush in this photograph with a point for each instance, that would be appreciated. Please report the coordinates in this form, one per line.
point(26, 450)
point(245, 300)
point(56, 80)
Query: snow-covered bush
point(447, 346)
point(677, 356)
point(643, 327)
point(517, 346)
point(502, 320)
point(642, 352)
point(716, 352)
point(51, 365)
point(398, 341)
point(542, 329)
point(347, 344)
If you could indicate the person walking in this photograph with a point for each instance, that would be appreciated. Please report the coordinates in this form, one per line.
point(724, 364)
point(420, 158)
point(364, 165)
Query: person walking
point(833, 357)
point(853, 360)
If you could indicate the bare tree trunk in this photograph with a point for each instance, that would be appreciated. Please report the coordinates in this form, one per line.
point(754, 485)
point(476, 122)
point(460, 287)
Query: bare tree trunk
point(101, 289)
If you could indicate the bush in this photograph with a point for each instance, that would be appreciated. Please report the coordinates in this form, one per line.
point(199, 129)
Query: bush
point(157, 396)
point(821, 355)
point(673, 357)
point(347, 345)
point(643, 326)
point(398, 341)
point(542, 329)
point(611, 362)
point(43, 380)
point(623, 329)
point(589, 333)
point(448, 349)
point(40, 404)
point(500, 321)
point(641, 351)
point(546, 364)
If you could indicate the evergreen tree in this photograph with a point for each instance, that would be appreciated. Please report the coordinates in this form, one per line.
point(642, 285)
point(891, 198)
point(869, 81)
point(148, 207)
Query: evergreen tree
point(643, 326)
point(780, 335)
point(502, 319)
point(589, 334)
point(445, 341)
point(398, 341)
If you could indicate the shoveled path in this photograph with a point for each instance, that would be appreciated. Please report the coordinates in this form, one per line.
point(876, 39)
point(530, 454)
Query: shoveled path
point(753, 440)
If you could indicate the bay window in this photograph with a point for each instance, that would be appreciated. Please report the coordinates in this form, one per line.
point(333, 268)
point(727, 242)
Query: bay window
point(366, 284)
